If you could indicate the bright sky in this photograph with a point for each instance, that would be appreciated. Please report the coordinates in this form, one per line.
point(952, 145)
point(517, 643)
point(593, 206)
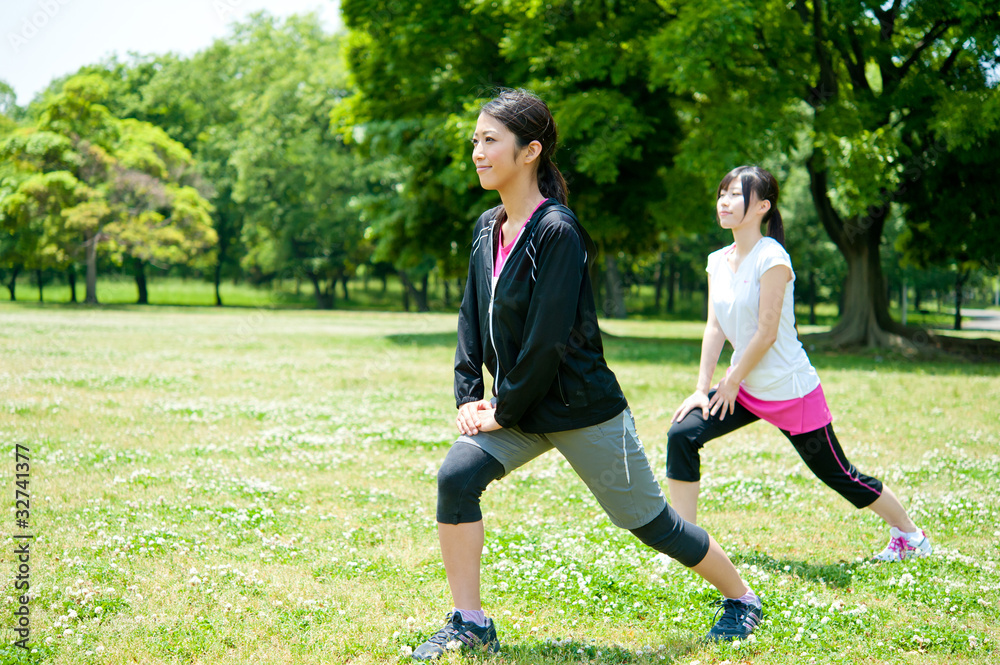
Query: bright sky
point(43, 39)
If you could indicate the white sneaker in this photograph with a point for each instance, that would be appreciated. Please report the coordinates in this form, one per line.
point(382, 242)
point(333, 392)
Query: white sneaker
point(900, 547)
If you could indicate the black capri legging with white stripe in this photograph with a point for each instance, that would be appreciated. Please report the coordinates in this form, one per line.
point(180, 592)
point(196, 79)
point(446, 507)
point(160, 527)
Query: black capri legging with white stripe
point(819, 449)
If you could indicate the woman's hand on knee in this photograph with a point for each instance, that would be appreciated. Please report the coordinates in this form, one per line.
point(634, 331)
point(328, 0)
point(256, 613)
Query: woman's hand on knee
point(488, 421)
point(697, 400)
point(467, 420)
point(724, 399)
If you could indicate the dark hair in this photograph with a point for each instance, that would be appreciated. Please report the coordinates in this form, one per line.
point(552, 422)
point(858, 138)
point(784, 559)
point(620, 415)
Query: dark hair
point(529, 119)
point(760, 182)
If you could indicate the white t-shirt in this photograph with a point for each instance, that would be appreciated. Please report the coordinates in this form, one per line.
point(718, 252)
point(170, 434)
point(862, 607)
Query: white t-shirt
point(785, 371)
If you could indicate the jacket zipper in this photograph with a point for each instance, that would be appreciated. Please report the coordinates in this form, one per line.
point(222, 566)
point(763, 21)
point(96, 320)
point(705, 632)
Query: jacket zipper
point(561, 393)
point(493, 287)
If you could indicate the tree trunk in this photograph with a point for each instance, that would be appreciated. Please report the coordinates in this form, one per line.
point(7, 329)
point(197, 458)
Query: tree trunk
point(343, 283)
point(661, 265)
point(91, 244)
point(71, 278)
point(38, 278)
point(422, 301)
point(218, 279)
point(614, 303)
point(903, 305)
point(916, 298)
point(672, 284)
point(139, 269)
point(865, 316)
point(812, 297)
point(418, 295)
point(325, 298)
point(959, 286)
point(447, 294)
point(12, 284)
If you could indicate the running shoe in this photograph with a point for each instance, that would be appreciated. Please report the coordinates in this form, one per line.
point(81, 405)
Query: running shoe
point(738, 620)
point(901, 548)
point(459, 634)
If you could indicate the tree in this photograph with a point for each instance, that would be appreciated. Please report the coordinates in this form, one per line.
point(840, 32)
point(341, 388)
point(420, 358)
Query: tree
point(847, 76)
point(294, 177)
point(957, 229)
point(80, 173)
point(254, 110)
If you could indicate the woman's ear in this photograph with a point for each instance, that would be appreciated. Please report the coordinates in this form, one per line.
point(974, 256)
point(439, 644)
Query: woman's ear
point(532, 151)
point(765, 205)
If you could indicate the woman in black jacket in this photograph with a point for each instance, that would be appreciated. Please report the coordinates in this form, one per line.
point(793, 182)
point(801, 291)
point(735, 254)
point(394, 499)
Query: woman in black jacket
point(528, 315)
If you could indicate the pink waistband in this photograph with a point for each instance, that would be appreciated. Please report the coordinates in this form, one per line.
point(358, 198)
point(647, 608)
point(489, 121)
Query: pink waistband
point(803, 414)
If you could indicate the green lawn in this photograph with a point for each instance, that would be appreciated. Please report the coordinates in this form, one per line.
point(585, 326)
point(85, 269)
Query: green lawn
point(258, 486)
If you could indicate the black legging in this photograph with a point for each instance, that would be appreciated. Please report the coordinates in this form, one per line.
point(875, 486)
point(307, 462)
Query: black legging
point(819, 449)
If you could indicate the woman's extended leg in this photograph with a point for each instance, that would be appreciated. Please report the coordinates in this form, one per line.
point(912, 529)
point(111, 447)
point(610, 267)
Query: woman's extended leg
point(822, 453)
point(891, 510)
point(610, 458)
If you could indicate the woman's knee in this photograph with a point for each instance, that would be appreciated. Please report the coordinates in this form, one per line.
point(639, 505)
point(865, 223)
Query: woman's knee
point(683, 458)
point(462, 478)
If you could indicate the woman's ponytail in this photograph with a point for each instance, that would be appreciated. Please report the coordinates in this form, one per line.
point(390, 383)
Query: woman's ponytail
point(551, 183)
point(775, 227)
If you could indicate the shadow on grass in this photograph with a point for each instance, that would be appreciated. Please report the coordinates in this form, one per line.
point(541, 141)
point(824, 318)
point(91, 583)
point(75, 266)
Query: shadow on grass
point(687, 351)
point(425, 340)
point(836, 575)
point(573, 651)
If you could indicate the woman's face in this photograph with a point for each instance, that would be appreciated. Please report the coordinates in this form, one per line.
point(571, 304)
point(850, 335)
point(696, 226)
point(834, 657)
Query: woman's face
point(496, 155)
point(733, 211)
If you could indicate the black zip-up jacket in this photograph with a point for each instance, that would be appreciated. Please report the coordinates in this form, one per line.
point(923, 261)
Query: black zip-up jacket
point(537, 334)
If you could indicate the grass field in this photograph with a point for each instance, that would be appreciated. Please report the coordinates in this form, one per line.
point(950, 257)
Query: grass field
point(258, 486)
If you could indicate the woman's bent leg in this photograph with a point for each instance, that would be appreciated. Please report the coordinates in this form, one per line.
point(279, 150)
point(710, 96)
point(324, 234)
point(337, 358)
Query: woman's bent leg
point(462, 550)
point(463, 477)
point(684, 498)
point(684, 441)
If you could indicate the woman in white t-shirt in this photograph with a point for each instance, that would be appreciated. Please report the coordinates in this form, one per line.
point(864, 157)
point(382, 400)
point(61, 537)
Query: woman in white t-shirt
point(770, 377)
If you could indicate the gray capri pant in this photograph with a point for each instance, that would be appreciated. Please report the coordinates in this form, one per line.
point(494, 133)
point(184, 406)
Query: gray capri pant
point(609, 457)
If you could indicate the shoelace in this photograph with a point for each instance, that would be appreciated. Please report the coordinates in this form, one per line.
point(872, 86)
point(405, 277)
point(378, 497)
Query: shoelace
point(733, 618)
point(446, 634)
point(898, 545)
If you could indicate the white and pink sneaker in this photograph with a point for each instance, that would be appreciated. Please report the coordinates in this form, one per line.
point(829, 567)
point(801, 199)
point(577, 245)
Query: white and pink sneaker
point(904, 546)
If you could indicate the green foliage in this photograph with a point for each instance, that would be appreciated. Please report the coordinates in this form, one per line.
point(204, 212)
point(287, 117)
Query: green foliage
point(253, 111)
point(81, 176)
